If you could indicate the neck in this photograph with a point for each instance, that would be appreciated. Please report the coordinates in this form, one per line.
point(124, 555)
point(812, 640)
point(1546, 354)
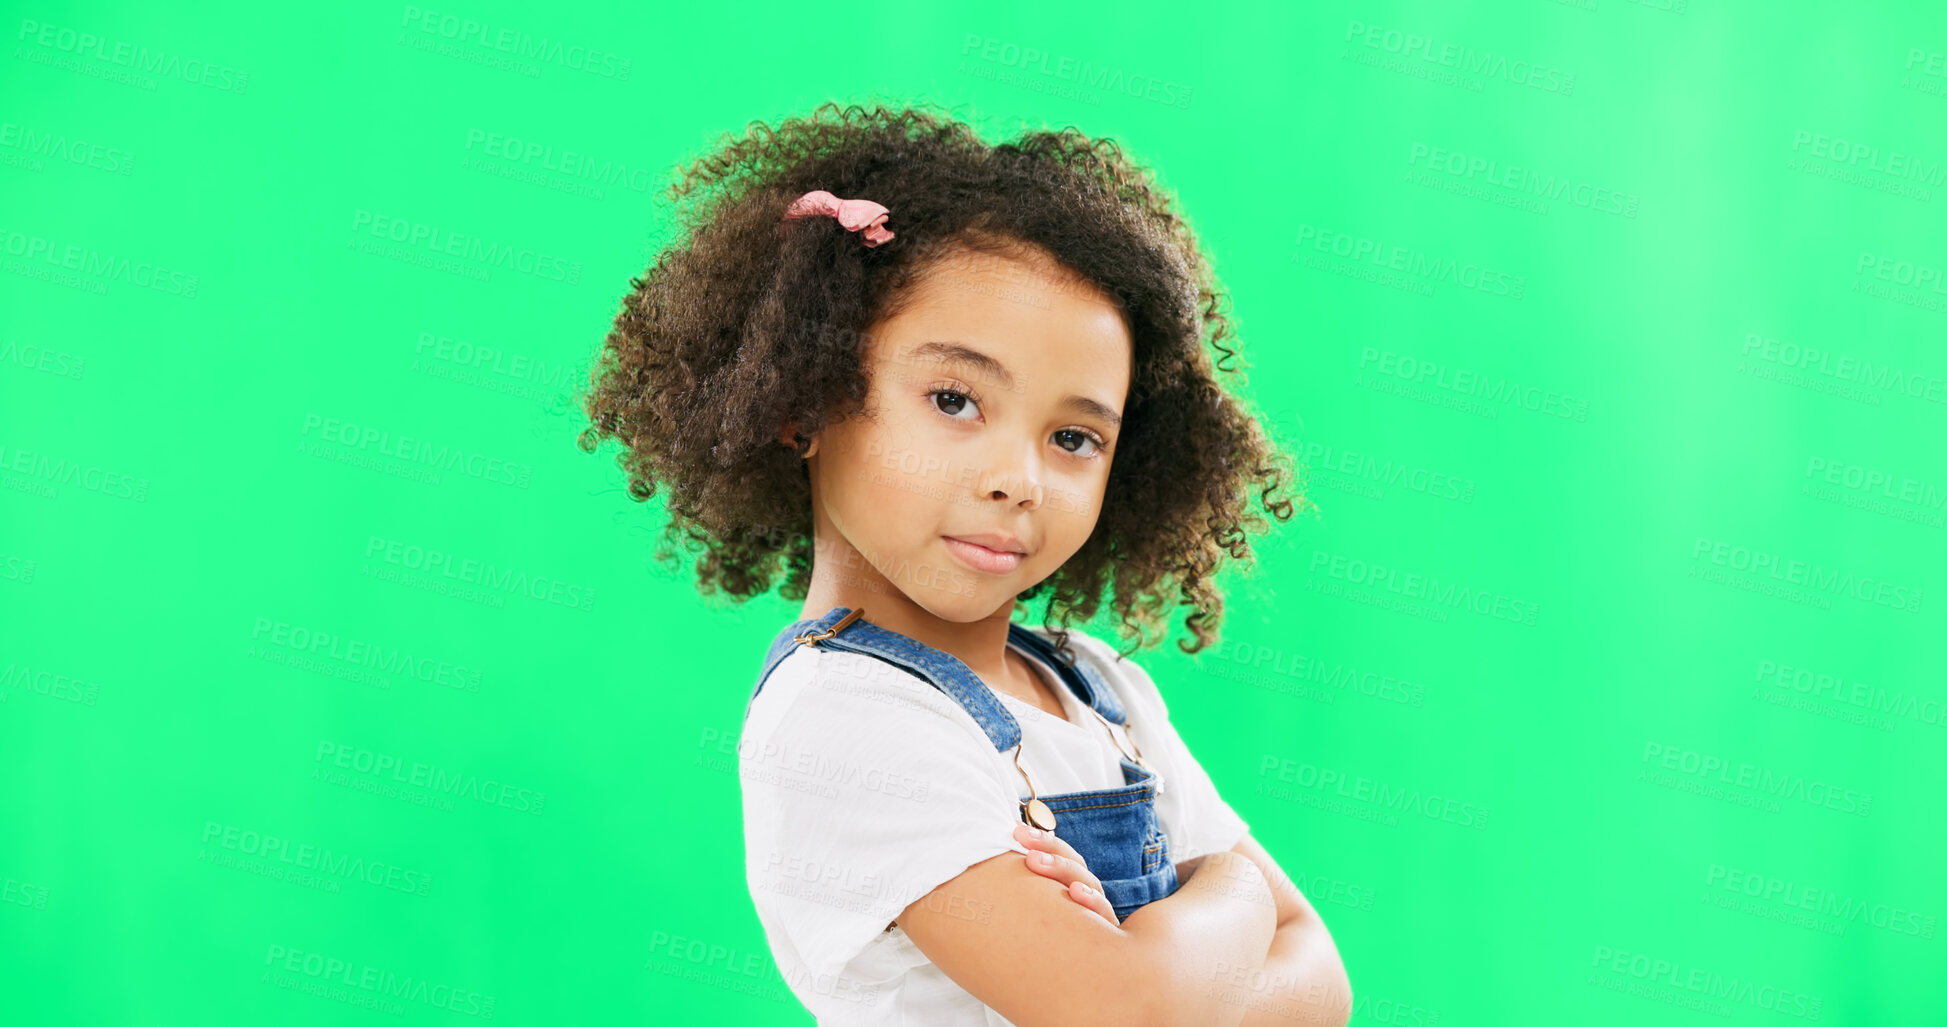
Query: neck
point(847, 579)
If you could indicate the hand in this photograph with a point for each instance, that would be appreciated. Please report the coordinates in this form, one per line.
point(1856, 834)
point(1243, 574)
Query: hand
point(1068, 867)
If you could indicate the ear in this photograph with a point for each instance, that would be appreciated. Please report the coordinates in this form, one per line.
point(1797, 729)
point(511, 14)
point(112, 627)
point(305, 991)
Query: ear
point(788, 435)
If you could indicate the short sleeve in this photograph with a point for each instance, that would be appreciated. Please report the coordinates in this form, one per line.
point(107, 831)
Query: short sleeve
point(864, 789)
point(1194, 814)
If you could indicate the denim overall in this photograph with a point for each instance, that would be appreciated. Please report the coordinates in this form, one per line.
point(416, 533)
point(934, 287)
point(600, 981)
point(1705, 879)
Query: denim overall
point(1114, 829)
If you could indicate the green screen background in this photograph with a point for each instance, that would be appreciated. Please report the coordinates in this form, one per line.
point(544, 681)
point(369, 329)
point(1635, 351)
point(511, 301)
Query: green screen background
point(1604, 686)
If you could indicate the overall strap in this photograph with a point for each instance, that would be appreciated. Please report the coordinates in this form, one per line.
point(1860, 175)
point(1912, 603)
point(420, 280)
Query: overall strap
point(1083, 678)
point(1086, 680)
point(942, 670)
point(781, 647)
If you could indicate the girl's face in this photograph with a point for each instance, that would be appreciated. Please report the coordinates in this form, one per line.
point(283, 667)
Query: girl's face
point(980, 465)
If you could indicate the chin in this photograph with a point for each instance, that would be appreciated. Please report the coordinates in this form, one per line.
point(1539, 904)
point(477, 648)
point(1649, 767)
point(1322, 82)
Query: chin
point(973, 602)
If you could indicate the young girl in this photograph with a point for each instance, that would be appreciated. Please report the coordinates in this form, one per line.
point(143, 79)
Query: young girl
point(929, 379)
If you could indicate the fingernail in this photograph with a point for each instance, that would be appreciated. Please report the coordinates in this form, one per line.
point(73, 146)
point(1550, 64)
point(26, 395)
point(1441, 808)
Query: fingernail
point(1044, 858)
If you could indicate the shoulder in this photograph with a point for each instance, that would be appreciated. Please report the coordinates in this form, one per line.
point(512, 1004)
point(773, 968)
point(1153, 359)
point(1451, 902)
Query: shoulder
point(864, 788)
point(833, 698)
point(840, 676)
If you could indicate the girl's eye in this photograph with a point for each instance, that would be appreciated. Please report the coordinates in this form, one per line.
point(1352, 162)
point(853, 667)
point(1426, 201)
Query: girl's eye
point(952, 407)
point(958, 402)
point(1084, 437)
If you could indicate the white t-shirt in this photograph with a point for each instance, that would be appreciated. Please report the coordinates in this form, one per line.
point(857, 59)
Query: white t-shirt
point(865, 787)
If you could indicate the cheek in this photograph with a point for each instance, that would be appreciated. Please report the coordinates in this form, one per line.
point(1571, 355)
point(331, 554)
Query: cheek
point(1073, 502)
point(890, 478)
point(924, 460)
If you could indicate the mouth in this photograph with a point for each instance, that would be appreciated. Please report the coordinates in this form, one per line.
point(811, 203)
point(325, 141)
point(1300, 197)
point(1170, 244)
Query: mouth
point(981, 558)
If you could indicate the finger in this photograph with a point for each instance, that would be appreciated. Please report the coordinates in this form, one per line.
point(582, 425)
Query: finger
point(1038, 841)
point(1093, 899)
point(1062, 869)
point(1083, 887)
point(1047, 841)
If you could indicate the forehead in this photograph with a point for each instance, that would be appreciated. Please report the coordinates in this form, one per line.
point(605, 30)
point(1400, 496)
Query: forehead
point(1023, 310)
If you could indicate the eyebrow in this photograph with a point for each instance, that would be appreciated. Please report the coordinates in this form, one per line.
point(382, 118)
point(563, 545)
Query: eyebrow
point(954, 351)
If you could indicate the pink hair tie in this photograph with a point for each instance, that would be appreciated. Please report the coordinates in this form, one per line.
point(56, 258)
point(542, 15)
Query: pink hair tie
point(853, 214)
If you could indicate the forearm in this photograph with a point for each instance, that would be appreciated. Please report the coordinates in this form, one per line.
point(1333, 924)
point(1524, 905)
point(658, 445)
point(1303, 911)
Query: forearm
point(1303, 980)
point(1219, 923)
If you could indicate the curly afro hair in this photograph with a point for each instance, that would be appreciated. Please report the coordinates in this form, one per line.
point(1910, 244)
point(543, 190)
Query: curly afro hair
point(745, 322)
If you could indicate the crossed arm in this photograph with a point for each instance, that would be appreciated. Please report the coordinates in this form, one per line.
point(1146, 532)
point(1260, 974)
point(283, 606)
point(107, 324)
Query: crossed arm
point(1304, 980)
point(1236, 945)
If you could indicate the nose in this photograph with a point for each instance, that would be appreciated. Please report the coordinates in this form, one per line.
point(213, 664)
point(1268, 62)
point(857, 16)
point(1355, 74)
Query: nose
point(1014, 473)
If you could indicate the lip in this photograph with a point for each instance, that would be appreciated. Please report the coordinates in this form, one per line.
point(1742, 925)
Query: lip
point(993, 540)
point(980, 557)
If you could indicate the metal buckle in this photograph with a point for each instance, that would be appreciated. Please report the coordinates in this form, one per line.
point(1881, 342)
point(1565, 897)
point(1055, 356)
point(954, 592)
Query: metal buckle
point(1034, 812)
point(810, 637)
